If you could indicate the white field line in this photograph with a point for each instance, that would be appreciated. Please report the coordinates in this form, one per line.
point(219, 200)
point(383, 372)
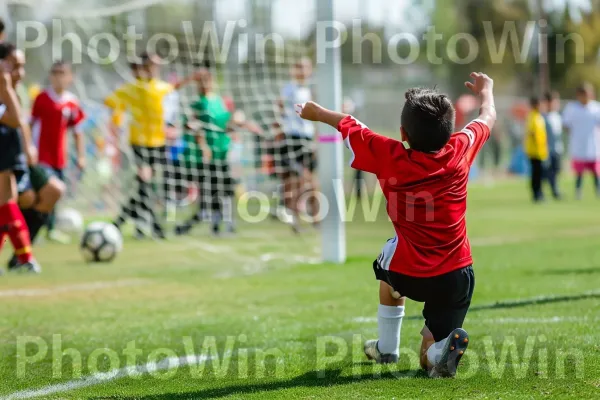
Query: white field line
point(104, 377)
point(503, 321)
point(79, 287)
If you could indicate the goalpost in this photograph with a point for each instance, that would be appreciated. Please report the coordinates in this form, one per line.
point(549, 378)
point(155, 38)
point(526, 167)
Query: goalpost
point(329, 81)
point(253, 86)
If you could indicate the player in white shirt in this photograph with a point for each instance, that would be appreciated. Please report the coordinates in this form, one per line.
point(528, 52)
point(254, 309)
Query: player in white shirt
point(297, 148)
point(582, 120)
point(554, 131)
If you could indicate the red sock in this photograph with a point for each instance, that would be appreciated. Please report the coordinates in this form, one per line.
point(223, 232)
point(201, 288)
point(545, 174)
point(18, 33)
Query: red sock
point(12, 218)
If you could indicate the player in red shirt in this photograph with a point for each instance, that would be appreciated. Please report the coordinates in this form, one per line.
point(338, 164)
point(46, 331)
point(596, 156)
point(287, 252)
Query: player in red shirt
point(55, 111)
point(424, 179)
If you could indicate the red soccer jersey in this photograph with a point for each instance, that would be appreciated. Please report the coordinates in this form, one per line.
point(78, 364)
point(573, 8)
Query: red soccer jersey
point(426, 196)
point(52, 115)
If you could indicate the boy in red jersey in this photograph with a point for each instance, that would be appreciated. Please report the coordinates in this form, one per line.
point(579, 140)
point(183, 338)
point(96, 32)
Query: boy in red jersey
point(424, 179)
point(55, 111)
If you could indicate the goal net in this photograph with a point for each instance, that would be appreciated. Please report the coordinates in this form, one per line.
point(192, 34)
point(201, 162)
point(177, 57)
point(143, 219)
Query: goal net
point(225, 144)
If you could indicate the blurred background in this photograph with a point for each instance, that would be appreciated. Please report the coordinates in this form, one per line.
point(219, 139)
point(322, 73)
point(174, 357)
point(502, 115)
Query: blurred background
point(386, 50)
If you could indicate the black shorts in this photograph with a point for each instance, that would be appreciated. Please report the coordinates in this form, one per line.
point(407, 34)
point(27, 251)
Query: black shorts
point(182, 175)
point(39, 176)
point(447, 297)
point(13, 159)
point(221, 183)
point(295, 154)
point(151, 156)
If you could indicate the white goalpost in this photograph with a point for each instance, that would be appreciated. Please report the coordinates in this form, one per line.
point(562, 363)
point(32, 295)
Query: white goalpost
point(329, 83)
point(247, 81)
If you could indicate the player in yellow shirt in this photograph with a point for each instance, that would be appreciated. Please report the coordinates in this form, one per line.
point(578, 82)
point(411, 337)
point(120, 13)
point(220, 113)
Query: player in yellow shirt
point(536, 148)
point(143, 100)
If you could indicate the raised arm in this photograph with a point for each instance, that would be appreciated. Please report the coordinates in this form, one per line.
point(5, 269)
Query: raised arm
point(312, 111)
point(370, 152)
point(483, 86)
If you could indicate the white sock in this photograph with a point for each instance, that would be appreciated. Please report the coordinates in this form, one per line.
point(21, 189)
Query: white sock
point(434, 352)
point(389, 321)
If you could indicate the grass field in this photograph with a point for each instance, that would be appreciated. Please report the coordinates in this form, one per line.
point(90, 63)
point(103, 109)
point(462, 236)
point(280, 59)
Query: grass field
point(257, 317)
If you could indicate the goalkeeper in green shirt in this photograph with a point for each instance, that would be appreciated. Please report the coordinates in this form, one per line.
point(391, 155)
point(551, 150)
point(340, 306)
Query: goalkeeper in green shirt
point(207, 143)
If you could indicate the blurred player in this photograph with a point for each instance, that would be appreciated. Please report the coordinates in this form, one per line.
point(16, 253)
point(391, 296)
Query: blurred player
point(39, 198)
point(15, 153)
point(144, 100)
point(554, 130)
point(430, 258)
point(206, 154)
point(55, 111)
point(536, 147)
point(582, 121)
point(297, 152)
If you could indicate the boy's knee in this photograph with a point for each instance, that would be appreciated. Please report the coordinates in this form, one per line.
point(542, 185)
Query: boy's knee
point(50, 194)
point(26, 199)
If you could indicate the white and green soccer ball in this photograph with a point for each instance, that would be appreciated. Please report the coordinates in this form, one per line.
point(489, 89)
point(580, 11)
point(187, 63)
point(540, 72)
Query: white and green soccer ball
point(101, 242)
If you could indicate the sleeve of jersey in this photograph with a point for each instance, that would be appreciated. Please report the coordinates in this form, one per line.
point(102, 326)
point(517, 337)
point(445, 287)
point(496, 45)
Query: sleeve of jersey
point(78, 118)
point(477, 132)
point(369, 150)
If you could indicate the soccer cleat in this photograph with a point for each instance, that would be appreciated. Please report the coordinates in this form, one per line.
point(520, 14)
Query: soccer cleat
point(182, 230)
point(31, 267)
point(216, 230)
point(139, 234)
point(59, 237)
point(373, 353)
point(455, 347)
point(13, 262)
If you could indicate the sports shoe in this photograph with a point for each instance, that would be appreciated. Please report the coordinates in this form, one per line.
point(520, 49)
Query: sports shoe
point(373, 353)
point(32, 267)
point(184, 229)
point(59, 237)
point(455, 347)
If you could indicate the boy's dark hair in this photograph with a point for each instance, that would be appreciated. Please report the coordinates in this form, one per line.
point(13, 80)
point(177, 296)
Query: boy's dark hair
point(428, 119)
point(2, 26)
point(534, 102)
point(6, 49)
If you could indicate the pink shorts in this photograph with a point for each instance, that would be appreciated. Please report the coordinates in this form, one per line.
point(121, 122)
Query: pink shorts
point(582, 166)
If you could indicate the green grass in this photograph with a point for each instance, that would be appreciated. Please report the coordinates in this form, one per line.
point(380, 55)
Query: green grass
point(295, 327)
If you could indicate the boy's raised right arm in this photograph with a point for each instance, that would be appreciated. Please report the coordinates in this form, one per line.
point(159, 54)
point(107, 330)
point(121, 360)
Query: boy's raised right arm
point(483, 87)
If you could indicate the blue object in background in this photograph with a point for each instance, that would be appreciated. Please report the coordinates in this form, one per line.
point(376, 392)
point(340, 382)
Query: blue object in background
point(474, 172)
point(519, 163)
point(176, 149)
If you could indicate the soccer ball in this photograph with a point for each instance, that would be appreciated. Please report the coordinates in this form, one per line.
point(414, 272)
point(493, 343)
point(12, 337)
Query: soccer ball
point(101, 242)
point(69, 221)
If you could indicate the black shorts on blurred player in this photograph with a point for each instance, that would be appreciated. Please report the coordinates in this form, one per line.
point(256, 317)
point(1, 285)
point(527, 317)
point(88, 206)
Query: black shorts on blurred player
point(221, 182)
point(294, 154)
point(151, 156)
point(12, 157)
point(447, 297)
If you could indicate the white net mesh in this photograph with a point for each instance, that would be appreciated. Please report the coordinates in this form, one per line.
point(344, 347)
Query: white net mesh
point(181, 156)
